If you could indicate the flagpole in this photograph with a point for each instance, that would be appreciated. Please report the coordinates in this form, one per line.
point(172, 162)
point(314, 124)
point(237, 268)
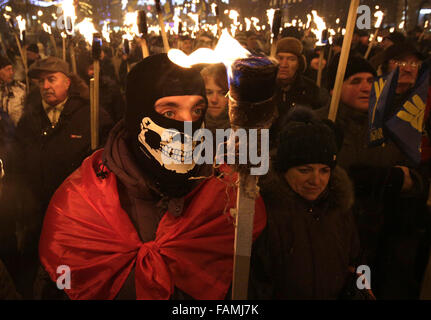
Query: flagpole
point(345, 50)
point(94, 85)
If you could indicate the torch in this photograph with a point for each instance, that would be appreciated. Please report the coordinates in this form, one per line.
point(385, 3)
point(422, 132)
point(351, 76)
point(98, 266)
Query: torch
point(63, 38)
point(126, 51)
point(162, 26)
point(341, 71)
point(217, 13)
point(143, 30)
point(276, 25)
point(324, 41)
point(94, 91)
point(380, 16)
point(47, 29)
point(251, 106)
point(21, 49)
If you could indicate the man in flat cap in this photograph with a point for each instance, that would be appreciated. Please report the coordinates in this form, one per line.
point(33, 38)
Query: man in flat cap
point(53, 137)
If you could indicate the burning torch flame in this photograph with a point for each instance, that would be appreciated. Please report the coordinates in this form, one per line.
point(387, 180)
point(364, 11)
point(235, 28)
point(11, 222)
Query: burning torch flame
point(46, 28)
point(105, 31)
point(321, 25)
point(213, 9)
point(69, 16)
point(255, 22)
point(247, 24)
point(270, 14)
point(227, 51)
point(401, 25)
point(308, 21)
point(21, 26)
point(86, 28)
point(379, 16)
point(130, 25)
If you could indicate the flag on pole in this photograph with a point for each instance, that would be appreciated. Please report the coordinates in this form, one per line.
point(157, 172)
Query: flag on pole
point(382, 93)
point(406, 126)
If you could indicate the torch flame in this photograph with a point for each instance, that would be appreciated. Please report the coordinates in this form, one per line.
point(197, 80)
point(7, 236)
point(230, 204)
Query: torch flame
point(379, 16)
point(321, 25)
point(247, 24)
point(21, 25)
point(86, 28)
point(69, 15)
point(213, 8)
point(130, 25)
point(270, 14)
point(227, 51)
point(46, 28)
point(105, 31)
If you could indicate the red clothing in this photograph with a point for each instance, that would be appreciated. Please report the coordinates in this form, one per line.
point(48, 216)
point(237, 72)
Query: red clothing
point(86, 229)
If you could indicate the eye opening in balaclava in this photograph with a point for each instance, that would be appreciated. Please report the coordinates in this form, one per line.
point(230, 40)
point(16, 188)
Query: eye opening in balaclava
point(154, 78)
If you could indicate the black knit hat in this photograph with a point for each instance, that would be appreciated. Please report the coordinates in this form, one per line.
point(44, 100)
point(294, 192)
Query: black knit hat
point(4, 62)
point(306, 140)
point(401, 50)
point(354, 65)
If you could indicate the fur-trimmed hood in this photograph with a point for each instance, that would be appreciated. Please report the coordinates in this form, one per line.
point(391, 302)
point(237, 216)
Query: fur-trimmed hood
point(338, 196)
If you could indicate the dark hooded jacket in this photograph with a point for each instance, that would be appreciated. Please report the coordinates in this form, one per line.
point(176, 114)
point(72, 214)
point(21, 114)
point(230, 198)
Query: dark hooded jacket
point(307, 247)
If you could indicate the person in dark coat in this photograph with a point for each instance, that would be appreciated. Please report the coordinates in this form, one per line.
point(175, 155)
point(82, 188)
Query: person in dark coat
point(293, 87)
point(52, 139)
point(310, 247)
point(390, 191)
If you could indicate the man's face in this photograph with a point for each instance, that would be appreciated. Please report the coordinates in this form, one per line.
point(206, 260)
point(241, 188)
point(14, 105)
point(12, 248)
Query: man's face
point(288, 66)
point(252, 42)
point(314, 63)
point(6, 74)
point(356, 91)
point(53, 87)
point(217, 100)
point(181, 108)
point(205, 42)
point(409, 67)
point(187, 45)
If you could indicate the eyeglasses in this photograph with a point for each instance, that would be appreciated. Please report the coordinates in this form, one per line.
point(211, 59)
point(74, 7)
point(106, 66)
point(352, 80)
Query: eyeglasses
point(405, 64)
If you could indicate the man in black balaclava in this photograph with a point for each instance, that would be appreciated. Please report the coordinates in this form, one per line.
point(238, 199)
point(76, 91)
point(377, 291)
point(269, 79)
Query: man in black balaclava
point(173, 95)
point(141, 227)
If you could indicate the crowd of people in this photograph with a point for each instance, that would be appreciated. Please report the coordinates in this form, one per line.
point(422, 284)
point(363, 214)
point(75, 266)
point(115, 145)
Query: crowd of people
point(132, 227)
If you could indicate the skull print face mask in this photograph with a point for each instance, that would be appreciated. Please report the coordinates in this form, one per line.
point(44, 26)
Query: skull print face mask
point(163, 147)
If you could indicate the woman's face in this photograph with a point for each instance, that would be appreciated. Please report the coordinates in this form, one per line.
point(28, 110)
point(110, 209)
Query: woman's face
point(309, 181)
point(217, 100)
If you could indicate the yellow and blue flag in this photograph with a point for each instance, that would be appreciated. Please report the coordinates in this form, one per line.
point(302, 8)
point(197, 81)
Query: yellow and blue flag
point(406, 126)
point(382, 93)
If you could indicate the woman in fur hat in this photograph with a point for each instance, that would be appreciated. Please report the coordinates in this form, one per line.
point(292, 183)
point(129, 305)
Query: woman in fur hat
point(310, 247)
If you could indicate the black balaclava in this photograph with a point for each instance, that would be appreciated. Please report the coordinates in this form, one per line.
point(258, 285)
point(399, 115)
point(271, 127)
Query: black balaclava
point(154, 78)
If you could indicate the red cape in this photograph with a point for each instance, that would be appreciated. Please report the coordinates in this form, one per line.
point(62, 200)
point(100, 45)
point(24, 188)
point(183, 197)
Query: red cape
point(86, 229)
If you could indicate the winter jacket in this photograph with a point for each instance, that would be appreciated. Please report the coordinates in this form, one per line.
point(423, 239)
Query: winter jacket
point(47, 156)
point(12, 97)
point(307, 247)
point(304, 92)
point(392, 224)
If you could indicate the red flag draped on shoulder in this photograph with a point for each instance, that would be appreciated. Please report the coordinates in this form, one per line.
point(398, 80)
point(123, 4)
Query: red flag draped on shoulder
point(86, 229)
